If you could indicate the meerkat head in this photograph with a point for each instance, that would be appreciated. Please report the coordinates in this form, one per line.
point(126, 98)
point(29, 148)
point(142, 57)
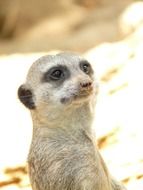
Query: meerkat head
point(57, 81)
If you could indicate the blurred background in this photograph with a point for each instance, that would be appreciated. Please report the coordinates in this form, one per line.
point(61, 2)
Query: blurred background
point(109, 34)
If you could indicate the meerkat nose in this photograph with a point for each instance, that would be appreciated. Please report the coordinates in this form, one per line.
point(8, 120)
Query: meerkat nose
point(85, 84)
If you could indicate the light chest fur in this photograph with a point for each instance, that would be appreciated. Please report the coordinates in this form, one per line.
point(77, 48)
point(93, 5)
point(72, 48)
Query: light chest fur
point(66, 163)
point(66, 158)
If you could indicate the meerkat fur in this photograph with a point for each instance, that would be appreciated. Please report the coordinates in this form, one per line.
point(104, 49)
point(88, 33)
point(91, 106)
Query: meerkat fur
point(61, 91)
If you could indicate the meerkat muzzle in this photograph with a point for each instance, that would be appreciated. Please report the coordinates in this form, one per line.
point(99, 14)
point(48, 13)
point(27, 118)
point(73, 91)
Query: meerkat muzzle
point(85, 87)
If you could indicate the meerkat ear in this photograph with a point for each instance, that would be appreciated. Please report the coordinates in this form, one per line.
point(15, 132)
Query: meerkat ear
point(26, 97)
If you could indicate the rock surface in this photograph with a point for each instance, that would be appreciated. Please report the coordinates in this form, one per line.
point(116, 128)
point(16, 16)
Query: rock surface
point(73, 27)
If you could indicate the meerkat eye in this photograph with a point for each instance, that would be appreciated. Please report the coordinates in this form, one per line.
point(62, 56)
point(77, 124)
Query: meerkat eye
point(85, 67)
point(57, 74)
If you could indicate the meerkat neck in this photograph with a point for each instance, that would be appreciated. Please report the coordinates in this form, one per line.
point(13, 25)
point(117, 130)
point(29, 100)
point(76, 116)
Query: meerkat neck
point(72, 120)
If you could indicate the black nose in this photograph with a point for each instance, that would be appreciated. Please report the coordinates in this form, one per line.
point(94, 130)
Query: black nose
point(85, 84)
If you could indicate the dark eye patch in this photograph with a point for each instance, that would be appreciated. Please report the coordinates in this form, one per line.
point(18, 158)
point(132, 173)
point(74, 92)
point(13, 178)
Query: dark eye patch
point(85, 67)
point(56, 74)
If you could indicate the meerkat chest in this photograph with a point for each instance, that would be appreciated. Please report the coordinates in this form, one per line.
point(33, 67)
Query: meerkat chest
point(62, 166)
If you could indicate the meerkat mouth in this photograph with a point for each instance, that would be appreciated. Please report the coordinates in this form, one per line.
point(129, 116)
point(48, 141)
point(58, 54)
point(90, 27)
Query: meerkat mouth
point(81, 96)
point(77, 97)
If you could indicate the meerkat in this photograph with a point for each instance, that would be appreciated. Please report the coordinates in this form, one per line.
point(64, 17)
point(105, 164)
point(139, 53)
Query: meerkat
point(60, 91)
